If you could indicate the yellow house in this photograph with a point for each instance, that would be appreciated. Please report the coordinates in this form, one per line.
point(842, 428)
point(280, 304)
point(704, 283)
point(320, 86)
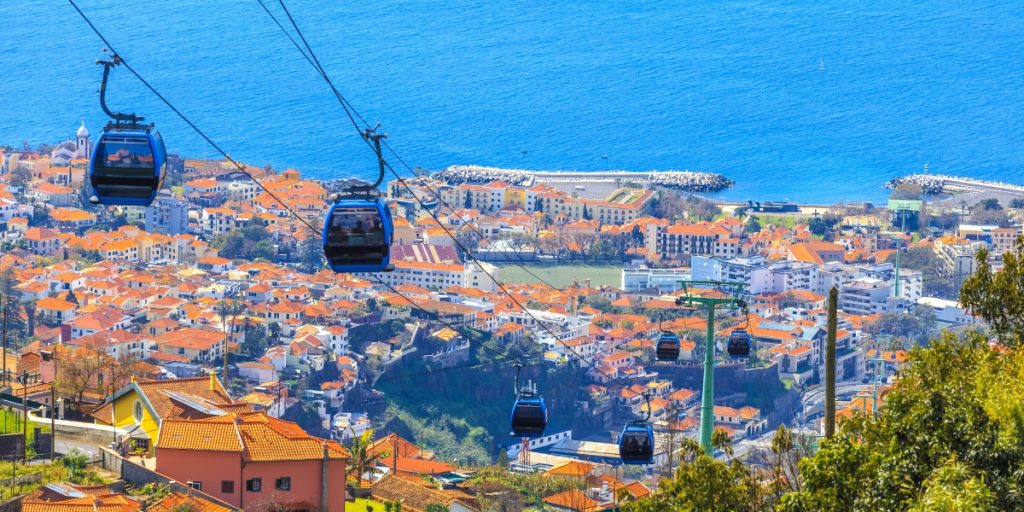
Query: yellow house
point(515, 198)
point(141, 406)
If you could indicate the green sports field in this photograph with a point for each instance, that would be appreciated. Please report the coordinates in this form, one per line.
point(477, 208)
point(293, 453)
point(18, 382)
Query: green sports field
point(562, 275)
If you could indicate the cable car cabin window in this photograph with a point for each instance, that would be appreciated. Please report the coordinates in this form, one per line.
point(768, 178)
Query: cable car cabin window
point(356, 226)
point(126, 157)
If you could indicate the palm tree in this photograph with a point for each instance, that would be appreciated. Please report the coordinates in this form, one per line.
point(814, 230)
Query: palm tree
point(227, 310)
point(362, 460)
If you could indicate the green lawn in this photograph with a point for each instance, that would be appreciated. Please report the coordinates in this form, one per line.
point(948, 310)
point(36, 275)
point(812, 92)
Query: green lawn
point(562, 275)
point(360, 506)
point(786, 221)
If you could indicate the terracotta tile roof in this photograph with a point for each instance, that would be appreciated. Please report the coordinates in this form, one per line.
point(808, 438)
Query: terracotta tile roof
point(415, 497)
point(173, 501)
point(257, 436)
point(572, 468)
point(52, 499)
point(575, 500)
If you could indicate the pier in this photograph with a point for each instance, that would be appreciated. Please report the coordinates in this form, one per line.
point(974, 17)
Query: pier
point(934, 184)
point(690, 181)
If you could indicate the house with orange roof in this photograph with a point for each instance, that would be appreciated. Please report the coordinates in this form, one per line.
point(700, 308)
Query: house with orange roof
point(97, 320)
point(60, 497)
point(71, 219)
point(816, 252)
point(177, 501)
point(205, 192)
point(252, 460)
point(53, 311)
point(415, 496)
point(192, 343)
point(49, 193)
point(42, 241)
point(574, 500)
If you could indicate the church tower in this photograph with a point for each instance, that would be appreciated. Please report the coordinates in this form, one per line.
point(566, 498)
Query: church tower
point(82, 144)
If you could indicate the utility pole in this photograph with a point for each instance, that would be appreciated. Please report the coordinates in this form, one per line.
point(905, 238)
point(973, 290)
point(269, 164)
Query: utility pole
point(903, 227)
point(3, 312)
point(707, 404)
point(24, 410)
point(53, 422)
point(830, 364)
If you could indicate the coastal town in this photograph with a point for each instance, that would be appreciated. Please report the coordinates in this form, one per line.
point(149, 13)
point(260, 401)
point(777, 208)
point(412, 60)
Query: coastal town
point(197, 352)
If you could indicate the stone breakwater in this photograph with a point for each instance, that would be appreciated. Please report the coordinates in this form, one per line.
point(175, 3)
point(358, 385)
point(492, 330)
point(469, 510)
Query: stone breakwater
point(690, 181)
point(933, 184)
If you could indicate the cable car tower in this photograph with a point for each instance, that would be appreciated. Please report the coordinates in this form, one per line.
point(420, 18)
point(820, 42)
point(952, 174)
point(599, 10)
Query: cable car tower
point(731, 300)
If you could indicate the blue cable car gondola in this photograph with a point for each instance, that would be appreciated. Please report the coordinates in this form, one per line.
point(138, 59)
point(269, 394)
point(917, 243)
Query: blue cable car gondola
point(636, 442)
point(358, 229)
point(667, 348)
point(530, 413)
point(357, 235)
point(739, 344)
point(129, 161)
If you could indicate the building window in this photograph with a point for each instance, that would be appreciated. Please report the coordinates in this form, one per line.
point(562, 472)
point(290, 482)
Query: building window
point(137, 411)
point(254, 484)
point(227, 486)
point(196, 485)
point(283, 484)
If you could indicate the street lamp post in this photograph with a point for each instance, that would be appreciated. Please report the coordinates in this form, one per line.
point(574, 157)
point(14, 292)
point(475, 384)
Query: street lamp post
point(707, 407)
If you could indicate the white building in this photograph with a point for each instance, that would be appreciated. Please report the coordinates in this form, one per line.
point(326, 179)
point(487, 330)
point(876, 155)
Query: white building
point(666, 280)
point(69, 150)
point(438, 276)
point(759, 275)
point(167, 215)
point(948, 311)
point(867, 296)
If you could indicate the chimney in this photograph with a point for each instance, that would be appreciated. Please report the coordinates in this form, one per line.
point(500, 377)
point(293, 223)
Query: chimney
point(213, 380)
point(325, 481)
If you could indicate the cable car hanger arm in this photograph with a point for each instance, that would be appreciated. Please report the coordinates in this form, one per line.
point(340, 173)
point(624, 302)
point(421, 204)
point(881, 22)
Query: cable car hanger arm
point(116, 116)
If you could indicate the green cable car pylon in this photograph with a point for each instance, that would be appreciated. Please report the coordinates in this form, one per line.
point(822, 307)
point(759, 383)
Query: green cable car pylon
point(710, 304)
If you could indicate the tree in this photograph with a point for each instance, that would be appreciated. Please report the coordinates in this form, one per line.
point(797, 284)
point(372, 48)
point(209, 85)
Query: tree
point(924, 260)
point(436, 507)
point(257, 339)
point(948, 433)
point(586, 213)
point(362, 461)
point(821, 224)
point(75, 462)
point(752, 225)
point(77, 372)
point(989, 211)
point(312, 255)
point(20, 177)
point(30, 316)
point(264, 249)
point(10, 302)
point(227, 310)
point(918, 326)
point(1016, 203)
point(996, 296)
point(703, 483)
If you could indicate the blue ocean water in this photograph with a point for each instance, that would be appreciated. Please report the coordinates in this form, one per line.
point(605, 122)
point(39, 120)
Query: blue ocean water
point(810, 101)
